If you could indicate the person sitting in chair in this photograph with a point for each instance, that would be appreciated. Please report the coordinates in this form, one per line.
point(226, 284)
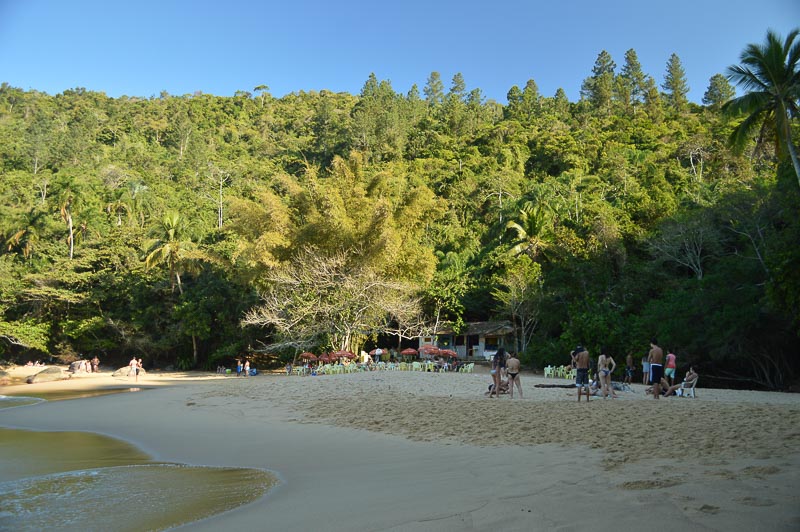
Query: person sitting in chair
point(688, 381)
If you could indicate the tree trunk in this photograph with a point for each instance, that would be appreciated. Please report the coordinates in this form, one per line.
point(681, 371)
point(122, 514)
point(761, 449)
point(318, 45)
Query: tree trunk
point(71, 236)
point(793, 157)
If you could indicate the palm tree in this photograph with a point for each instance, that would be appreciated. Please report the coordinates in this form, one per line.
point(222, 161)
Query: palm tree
point(26, 239)
point(178, 253)
point(769, 73)
point(171, 248)
point(532, 229)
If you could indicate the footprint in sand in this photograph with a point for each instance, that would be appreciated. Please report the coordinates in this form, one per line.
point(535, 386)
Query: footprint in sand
point(760, 472)
point(649, 484)
point(708, 509)
point(753, 501)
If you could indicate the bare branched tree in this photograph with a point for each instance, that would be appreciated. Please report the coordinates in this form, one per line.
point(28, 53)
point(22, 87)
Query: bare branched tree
point(336, 299)
point(688, 243)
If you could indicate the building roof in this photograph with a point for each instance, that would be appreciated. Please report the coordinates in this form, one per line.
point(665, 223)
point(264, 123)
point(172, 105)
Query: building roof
point(500, 328)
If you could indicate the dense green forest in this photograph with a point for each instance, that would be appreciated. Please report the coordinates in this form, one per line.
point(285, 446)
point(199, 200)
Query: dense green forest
point(189, 229)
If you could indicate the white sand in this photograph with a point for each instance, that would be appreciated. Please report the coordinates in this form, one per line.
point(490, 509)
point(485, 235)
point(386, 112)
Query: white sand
point(426, 451)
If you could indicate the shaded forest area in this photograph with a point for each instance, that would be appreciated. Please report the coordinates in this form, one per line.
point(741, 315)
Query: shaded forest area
point(191, 229)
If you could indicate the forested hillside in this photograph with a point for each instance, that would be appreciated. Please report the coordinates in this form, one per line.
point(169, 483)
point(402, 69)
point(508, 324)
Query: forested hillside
point(188, 229)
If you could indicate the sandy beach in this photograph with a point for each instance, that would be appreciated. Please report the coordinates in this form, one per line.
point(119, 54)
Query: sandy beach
point(392, 450)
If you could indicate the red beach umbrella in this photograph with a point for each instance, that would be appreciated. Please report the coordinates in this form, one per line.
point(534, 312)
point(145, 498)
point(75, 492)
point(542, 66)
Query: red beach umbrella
point(408, 351)
point(308, 356)
point(324, 357)
point(448, 353)
point(429, 349)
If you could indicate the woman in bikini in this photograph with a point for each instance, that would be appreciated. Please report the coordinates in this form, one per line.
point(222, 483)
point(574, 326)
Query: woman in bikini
point(605, 367)
point(512, 368)
point(498, 365)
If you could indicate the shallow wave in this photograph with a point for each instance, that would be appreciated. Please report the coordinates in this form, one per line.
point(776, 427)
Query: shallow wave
point(137, 497)
point(9, 401)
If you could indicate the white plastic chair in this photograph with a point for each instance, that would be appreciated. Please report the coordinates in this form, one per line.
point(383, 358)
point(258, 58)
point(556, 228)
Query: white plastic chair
point(687, 390)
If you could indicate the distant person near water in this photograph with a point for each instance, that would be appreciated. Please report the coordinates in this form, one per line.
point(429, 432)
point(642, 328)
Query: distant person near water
point(134, 368)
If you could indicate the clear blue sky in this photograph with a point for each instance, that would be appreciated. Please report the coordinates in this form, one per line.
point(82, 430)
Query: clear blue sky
point(140, 48)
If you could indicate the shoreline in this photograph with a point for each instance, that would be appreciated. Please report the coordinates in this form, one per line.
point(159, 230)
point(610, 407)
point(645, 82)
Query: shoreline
point(416, 451)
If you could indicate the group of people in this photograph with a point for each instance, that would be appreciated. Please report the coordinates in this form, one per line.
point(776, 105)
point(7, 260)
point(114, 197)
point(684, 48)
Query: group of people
point(135, 366)
point(667, 371)
point(661, 378)
point(242, 367)
point(666, 389)
point(505, 374)
point(89, 366)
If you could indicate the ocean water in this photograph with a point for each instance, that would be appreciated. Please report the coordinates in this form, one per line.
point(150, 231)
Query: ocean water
point(86, 481)
point(127, 498)
point(9, 401)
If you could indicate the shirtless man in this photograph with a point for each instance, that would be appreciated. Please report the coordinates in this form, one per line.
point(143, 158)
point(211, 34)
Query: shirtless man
point(628, 370)
point(134, 368)
point(656, 359)
point(582, 375)
point(512, 367)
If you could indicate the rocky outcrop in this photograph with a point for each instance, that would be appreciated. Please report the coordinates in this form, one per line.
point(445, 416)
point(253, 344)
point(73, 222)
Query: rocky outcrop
point(48, 375)
point(126, 371)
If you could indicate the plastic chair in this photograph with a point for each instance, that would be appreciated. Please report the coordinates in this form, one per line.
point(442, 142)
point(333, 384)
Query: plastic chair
point(548, 371)
point(687, 390)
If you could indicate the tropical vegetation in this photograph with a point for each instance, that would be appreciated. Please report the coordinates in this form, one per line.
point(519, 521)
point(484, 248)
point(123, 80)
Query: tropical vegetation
point(191, 229)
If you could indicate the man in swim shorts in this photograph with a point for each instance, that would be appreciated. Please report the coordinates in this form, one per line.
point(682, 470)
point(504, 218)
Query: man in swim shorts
point(582, 373)
point(669, 371)
point(656, 359)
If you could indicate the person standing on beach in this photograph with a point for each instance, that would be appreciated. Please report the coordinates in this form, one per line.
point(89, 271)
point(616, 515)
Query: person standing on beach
point(95, 364)
point(498, 363)
point(246, 368)
point(139, 368)
point(656, 360)
point(628, 370)
point(582, 372)
point(238, 367)
point(134, 366)
point(645, 369)
point(512, 367)
point(605, 367)
point(669, 370)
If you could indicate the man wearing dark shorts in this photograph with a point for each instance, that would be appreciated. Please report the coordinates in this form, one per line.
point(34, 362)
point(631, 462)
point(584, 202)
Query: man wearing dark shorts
point(582, 373)
point(656, 359)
